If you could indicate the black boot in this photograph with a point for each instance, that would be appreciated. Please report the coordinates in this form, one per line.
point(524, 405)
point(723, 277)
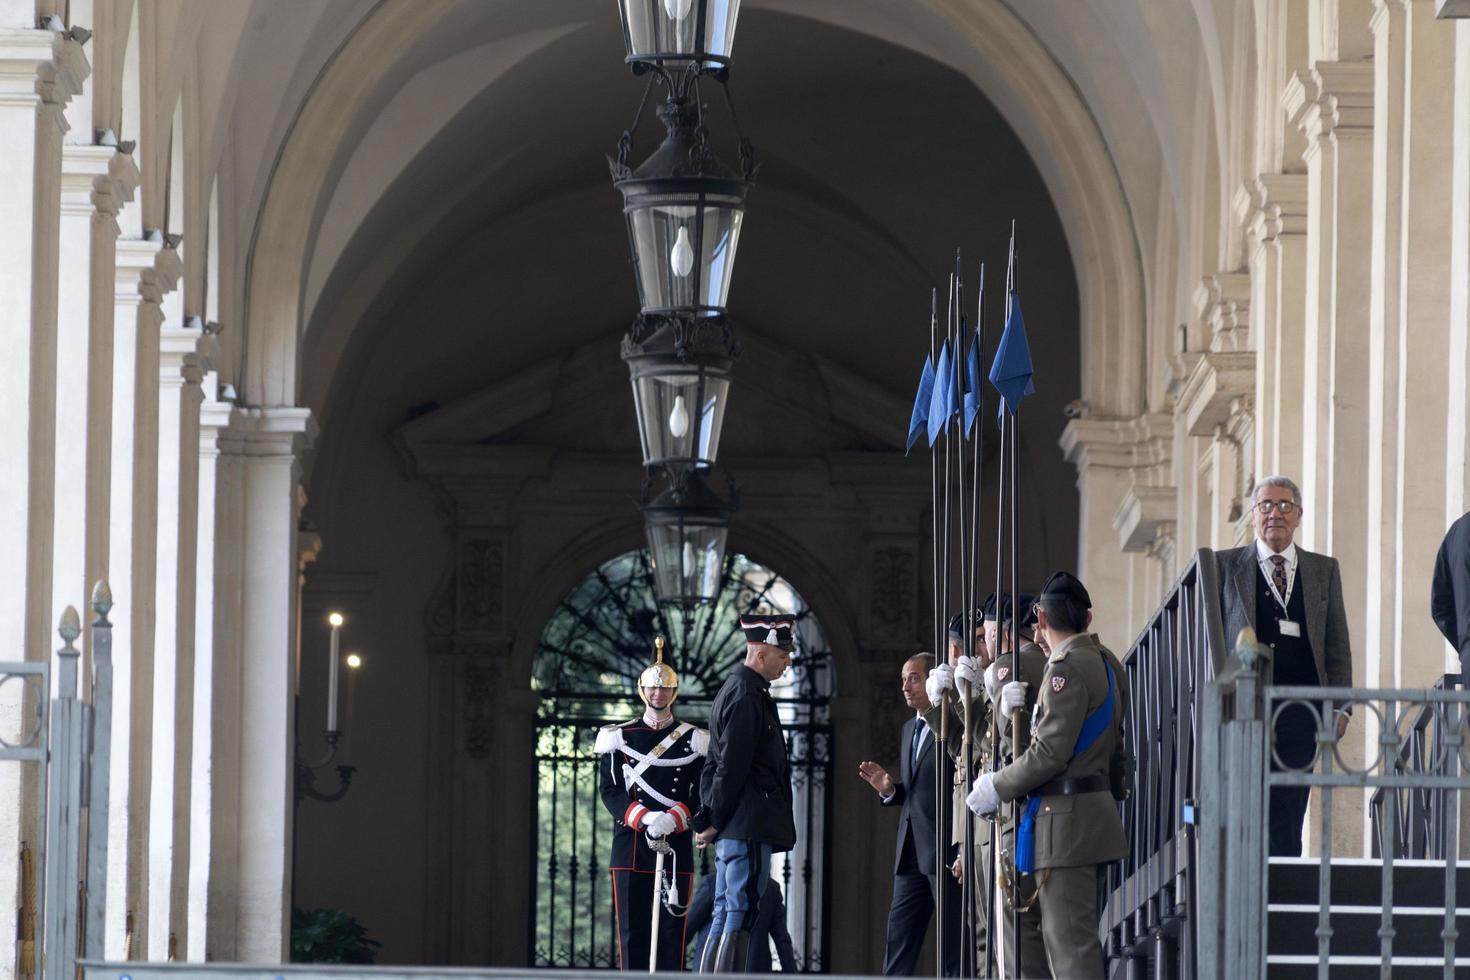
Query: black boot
point(734, 955)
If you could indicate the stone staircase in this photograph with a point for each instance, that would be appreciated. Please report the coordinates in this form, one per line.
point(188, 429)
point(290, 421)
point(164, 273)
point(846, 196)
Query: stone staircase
point(1356, 917)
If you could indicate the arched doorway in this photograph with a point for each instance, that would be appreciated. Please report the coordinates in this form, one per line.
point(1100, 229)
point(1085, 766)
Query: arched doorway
point(586, 668)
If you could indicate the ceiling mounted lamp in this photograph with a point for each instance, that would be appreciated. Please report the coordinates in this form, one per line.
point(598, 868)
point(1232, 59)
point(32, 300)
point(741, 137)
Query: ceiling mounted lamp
point(683, 208)
point(665, 35)
point(687, 525)
point(680, 371)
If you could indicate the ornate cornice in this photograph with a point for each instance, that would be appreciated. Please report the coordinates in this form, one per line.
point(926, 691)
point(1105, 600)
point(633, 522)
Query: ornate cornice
point(1212, 387)
point(1222, 303)
point(1146, 514)
point(1332, 100)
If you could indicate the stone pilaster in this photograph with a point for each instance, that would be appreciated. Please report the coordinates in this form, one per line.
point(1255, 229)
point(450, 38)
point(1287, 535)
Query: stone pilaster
point(1457, 455)
point(180, 371)
point(145, 272)
point(39, 71)
point(1114, 457)
point(1273, 211)
point(272, 441)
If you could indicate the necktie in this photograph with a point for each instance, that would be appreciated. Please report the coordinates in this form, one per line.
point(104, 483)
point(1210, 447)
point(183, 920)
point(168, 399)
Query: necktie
point(919, 728)
point(1278, 576)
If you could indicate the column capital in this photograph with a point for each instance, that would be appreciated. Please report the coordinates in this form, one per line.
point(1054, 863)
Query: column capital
point(1136, 444)
point(40, 67)
point(184, 354)
point(1333, 99)
point(1212, 387)
point(1222, 303)
point(1273, 205)
point(84, 172)
point(265, 432)
point(1146, 515)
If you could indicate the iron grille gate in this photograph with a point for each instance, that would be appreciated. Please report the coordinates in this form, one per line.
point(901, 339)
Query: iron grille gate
point(591, 653)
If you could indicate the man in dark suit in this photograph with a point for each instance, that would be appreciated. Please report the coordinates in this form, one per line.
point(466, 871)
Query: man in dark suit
point(770, 923)
point(916, 881)
point(1292, 598)
point(1449, 600)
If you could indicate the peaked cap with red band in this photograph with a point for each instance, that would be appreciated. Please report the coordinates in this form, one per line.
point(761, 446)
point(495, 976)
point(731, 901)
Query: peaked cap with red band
point(776, 631)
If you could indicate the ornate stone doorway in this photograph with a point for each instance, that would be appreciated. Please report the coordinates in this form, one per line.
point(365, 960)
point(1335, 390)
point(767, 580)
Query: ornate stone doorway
point(591, 651)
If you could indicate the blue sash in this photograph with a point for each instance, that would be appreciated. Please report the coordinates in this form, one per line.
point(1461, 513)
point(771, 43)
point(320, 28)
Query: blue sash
point(1092, 728)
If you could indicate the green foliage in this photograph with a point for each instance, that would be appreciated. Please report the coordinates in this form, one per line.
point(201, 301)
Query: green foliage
point(329, 936)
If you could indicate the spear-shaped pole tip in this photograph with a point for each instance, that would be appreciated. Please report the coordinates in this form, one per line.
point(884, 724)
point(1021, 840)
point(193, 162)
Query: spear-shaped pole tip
point(70, 626)
point(101, 597)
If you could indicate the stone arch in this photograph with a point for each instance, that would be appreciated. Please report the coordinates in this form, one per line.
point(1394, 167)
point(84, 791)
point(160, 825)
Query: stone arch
point(1005, 60)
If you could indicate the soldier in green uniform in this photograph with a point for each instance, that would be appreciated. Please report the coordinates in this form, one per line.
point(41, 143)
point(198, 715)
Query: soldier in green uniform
point(1070, 827)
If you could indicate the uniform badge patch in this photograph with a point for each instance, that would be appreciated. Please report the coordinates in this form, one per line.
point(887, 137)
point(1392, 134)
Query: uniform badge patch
point(1057, 683)
point(1002, 673)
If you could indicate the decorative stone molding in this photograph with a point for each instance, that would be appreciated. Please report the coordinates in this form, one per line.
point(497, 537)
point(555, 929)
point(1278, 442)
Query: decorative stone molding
point(1214, 384)
point(1146, 514)
point(1273, 205)
point(1335, 98)
point(1450, 9)
point(1222, 303)
point(1141, 445)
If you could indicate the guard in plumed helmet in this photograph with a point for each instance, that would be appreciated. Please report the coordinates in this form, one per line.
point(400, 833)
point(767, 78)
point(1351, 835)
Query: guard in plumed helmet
point(746, 790)
point(650, 770)
point(1069, 828)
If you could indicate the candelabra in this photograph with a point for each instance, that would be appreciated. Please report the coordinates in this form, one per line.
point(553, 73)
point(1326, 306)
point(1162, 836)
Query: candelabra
point(307, 771)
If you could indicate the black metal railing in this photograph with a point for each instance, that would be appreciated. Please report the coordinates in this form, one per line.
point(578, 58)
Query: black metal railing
point(1421, 823)
point(1148, 929)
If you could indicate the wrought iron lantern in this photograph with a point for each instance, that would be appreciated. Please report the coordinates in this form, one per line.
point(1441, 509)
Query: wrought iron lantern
point(663, 34)
point(683, 207)
point(680, 371)
point(687, 525)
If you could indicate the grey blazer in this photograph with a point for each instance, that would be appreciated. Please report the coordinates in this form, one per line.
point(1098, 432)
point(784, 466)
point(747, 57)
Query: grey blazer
point(1320, 580)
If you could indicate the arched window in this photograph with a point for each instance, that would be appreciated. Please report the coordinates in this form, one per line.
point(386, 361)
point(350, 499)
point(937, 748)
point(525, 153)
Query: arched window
point(586, 670)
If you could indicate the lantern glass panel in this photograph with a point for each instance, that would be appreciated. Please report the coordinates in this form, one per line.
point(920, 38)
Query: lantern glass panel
point(669, 30)
point(680, 415)
point(686, 254)
point(688, 560)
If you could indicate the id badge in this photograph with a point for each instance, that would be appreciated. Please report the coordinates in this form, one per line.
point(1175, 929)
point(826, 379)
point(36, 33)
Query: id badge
point(1289, 627)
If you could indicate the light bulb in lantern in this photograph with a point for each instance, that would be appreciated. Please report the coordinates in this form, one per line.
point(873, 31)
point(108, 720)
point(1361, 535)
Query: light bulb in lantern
point(688, 559)
point(678, 9)
point(681, 258)
point(354, 661)
point(679, 418)
point(335, 619)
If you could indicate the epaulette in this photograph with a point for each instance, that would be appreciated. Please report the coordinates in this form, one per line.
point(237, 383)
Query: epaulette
point(609, 739)
point(699, 739)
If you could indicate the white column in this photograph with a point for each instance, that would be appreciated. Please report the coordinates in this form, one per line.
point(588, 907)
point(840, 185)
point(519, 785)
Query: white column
point(1457, 455)
point(38, 72)
point(213, 804)
point(273, 440)
point(145, 271)
point(173, 664)
point(90, 200)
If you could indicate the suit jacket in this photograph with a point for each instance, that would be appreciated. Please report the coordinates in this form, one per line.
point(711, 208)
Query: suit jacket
point(1449, 601)
point(914, 791)
point(1320, 580)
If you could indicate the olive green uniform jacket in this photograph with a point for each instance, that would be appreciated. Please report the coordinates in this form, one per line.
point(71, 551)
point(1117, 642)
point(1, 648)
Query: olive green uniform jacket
point(1082, 829)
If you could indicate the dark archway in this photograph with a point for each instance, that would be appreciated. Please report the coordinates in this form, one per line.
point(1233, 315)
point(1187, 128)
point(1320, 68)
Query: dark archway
point(593, 647)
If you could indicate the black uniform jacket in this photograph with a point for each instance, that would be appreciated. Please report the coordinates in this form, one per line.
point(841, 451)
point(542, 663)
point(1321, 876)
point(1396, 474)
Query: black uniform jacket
point(746, 788)
point(674, 774)
point(1449, 600)
point(914, 791)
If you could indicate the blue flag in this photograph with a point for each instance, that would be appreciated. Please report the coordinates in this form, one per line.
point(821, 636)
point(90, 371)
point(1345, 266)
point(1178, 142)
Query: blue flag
point(1011, 370)
point(972, 385)
point(942, 399)
point(918, 420)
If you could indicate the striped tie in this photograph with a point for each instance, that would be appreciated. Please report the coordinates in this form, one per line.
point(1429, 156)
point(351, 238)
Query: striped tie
point(1278, 575)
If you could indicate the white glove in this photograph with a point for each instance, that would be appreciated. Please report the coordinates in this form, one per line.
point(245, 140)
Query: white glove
point(983, 799)
point(659, 824)
point(939, 680)
point(965, 674)
point(1012, 696)
point(990, 681)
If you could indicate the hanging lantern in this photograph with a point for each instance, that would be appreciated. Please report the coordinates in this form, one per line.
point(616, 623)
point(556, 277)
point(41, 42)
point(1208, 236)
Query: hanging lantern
point(687, 525)
point(683, 209)
point(676, 34)
point(680, 371)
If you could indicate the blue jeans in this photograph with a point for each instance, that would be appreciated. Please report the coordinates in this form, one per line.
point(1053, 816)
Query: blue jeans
point(742, 868)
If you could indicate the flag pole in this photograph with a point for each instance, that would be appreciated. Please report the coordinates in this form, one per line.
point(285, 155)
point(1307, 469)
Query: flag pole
point(1015, 621)
point(937, 499)
point(973, 878)
point(966, 917)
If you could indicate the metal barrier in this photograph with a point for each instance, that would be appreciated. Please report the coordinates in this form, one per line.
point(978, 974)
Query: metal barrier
point(69, 744)
point(1146, 919)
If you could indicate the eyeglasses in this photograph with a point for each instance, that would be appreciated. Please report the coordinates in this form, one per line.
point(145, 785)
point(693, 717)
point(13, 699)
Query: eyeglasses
point(1286, 507)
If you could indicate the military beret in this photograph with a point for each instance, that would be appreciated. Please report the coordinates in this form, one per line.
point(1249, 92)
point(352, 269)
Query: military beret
point(776, 631)
point(957, 623)
point(1065, 587)
point(998, 609)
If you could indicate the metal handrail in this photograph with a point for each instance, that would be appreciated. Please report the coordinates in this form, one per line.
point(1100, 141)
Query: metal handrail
point(1146, 916)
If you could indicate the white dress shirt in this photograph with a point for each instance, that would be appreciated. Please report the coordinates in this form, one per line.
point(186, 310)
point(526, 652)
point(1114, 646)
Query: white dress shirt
point(1268, 568)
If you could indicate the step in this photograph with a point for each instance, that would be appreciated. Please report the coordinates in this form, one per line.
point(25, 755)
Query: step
point(1359, 881)
point(1292, 929)
point(1362, 967)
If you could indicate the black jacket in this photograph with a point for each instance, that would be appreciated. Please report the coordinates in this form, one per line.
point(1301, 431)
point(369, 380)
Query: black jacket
point(770, 923)
point(746, 785)
point(1449, 599)
point(914, 791)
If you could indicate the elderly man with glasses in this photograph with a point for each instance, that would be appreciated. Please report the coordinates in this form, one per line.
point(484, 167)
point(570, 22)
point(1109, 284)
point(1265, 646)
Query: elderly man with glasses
point(1292, 598)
